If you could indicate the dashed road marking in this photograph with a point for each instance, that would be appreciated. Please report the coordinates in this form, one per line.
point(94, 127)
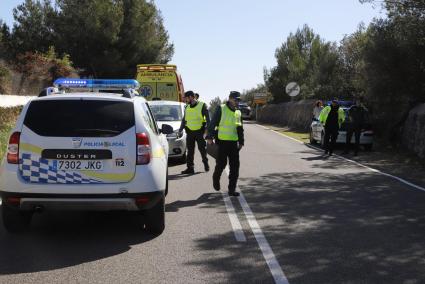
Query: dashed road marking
point(274, 266)
point(234, 221)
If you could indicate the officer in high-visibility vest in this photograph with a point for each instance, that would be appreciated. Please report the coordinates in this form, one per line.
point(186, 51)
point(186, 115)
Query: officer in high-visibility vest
point(194, 124)
point(331, 117)
point(227, 130)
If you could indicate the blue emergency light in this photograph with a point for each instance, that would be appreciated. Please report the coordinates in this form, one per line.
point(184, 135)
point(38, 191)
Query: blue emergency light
point(104, 84)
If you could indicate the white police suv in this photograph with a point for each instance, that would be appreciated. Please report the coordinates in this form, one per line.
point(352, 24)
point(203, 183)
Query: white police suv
point(88, 149)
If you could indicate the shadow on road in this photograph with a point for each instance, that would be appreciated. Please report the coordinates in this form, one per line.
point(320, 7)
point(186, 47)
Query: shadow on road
point(329, 228)
point(67, 239)
point(207, 200)
point(182, 176)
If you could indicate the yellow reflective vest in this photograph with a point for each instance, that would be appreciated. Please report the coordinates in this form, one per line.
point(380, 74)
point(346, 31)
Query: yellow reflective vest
point(229, 122)
point(194, 117)
point(325, 112)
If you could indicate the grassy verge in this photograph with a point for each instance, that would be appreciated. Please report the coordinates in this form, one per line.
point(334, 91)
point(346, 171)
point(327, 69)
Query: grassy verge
point(299, 135)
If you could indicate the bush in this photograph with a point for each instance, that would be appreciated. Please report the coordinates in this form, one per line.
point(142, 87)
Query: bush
point(4, 79)
point(8, 115)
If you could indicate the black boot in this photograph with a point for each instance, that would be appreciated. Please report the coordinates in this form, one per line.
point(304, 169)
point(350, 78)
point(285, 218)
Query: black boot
point(188, 171)
point(216, 184)
point(233, 193)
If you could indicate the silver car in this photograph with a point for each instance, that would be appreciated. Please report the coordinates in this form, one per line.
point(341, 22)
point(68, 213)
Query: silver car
point(317, 134)
point(171, 113)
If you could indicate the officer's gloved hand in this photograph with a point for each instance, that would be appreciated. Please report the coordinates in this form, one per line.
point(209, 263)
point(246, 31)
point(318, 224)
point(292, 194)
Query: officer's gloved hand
point(240, 146)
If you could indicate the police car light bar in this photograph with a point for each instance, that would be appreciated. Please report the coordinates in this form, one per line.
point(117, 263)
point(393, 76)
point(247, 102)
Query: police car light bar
point(104, 84)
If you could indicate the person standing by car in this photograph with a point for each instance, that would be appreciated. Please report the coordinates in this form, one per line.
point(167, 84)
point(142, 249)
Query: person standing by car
point(318, 107)
point(357, 117)
point(193, 121)
point(227, 129)
point(331, 117)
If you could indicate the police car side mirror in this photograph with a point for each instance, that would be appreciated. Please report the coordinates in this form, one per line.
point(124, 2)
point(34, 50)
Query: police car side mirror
point(166, 129)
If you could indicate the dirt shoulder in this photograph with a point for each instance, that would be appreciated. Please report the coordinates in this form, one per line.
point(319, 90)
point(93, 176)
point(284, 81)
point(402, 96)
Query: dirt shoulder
point(397, 162)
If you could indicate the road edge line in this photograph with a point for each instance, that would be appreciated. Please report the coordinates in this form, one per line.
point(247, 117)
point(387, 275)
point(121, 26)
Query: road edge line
point(408, 183)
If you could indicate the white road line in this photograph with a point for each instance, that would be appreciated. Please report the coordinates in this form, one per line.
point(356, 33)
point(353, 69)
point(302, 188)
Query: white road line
point(234, 221)
point(277, 132)
point(354, 162)
point(274, 266)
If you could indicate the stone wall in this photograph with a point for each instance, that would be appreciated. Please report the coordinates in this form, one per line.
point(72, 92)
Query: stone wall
point(296, 115)
point(414, 131)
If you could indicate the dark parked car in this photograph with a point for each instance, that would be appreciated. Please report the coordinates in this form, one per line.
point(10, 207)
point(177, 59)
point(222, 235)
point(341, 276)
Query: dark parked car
point(245, 110)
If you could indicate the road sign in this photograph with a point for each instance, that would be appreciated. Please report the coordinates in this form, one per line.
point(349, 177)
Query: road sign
point(293, 89)
point(260, 101)
point(260, 98)
point(260, 95)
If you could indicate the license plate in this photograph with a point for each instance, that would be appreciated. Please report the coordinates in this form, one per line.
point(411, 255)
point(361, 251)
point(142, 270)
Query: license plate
point(79, 165)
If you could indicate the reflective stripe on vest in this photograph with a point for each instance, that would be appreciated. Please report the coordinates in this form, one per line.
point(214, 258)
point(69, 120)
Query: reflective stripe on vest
point(230, 120)
point(194, 117)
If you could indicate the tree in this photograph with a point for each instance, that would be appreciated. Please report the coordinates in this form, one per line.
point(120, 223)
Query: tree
point(104, 38)
point(352, 50)
point(394, 64)
point(307, 59)
point(214, 104)
point(109, 38)
point(89, 32)
point(4, 41)
point(143, 38)
point(33, 30)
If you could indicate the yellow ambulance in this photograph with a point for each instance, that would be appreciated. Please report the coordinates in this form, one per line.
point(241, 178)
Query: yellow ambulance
point(160, 82)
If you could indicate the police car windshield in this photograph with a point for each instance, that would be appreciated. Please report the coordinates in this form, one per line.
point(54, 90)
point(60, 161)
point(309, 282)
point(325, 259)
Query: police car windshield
point(79, 118)
point(167, 112)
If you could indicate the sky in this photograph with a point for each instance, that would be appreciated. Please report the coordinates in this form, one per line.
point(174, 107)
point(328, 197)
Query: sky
point(224, 45)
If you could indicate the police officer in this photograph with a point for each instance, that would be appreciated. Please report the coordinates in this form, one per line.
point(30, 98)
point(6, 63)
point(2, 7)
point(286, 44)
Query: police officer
point(226, 127)
point(195, 116)
point(331, 117)
point(357, 117)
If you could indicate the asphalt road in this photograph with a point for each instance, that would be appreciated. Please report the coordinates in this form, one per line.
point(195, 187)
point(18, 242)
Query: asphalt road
point(325, 220)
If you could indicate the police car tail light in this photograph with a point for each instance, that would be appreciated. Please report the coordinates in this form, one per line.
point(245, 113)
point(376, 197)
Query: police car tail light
point(143, 149)
point(13, 148)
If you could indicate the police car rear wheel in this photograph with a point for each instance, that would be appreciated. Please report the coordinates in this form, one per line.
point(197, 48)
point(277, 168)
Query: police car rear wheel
point(15, 221)
point(155, 218)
